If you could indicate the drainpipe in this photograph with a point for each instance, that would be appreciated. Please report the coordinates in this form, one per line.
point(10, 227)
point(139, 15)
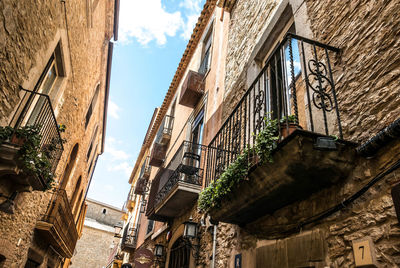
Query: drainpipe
point(214, 246)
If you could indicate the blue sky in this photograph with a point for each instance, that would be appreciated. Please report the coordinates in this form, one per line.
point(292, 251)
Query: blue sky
point(152, 38)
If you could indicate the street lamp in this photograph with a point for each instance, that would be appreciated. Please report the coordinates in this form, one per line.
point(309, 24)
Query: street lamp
point(118, 229)
point(190, 230)
point(159, 251)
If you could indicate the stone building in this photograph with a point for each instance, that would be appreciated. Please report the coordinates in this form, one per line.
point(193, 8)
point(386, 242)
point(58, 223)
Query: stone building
point(97, 240)
point(54, 80)
point(301, 141)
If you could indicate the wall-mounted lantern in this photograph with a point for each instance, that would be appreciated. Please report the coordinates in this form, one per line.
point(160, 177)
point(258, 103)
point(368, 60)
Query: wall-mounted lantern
point(191, 229)
point(159, 251)
point(190, 233)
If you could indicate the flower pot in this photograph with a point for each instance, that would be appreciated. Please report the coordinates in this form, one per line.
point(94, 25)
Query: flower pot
point(286, 131)
point(17, 140)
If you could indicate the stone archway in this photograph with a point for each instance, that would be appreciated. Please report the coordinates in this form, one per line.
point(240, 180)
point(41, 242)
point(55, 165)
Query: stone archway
point(68, 168)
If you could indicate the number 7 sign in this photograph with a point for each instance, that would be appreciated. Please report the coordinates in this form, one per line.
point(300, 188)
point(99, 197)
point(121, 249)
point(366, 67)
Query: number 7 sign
point(364, 252)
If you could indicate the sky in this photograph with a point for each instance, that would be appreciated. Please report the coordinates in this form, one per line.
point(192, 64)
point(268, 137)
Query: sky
point(152, 38)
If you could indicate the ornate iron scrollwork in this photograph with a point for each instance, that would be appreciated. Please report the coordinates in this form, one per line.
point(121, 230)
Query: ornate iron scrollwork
point(321, 96)
point(258, 107)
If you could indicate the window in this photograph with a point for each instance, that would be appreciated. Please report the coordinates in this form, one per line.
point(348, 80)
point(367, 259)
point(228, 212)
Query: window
point(92, 106)
point(278, 93)
point(91, 163)
point(197, 128)
point(206, 52)
point(104, 211)
point(47, 85)
point(76, 190)
point(71, 163)
point(150, 227)
point(89, 152)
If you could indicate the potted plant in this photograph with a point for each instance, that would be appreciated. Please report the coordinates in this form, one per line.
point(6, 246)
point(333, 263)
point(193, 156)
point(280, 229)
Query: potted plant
point(288, 124)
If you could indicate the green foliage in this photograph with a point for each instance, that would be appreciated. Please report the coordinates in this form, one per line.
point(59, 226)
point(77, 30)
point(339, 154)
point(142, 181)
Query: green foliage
point(266, 140)
point(290, 119)
point(34, 160)
point(212, 196)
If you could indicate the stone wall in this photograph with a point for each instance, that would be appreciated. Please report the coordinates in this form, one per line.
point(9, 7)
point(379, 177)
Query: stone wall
point(103, 213)
point(366, 73)
point(367, 70)
point(97, 240)
point(29, 32)
point(248, 22)
point(93, 248)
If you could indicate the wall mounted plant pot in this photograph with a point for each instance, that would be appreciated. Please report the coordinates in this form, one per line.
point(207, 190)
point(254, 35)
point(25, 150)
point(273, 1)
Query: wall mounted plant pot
point(286, 131)
point(17, 140)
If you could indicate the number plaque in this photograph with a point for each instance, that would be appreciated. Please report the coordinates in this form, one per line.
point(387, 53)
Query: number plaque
point(364, 252)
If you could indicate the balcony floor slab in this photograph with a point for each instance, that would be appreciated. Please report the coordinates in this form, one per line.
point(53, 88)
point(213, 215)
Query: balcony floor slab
point(182, 196)
point(297, 171)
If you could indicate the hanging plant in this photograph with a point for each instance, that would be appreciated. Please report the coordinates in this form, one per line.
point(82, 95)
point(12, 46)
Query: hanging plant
point(266, 140)
point(34, 160)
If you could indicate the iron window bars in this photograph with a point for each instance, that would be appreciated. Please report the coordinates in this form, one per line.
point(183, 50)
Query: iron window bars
point(296, 82)
point(35, 109)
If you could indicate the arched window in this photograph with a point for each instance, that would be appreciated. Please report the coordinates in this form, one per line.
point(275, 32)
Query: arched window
point(180, 254)
point(92, 105)
point(76, 190)
point(70, 166)
point(78, 205)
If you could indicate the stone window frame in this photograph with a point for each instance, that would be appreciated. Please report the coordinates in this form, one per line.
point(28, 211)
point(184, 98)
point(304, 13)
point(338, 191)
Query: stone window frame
point(208, 34)
point(288, 12)
point(58, 47)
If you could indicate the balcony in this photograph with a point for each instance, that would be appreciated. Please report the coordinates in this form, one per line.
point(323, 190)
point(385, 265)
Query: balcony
point(35, 110)
point(296, 90)
point(130, 202)
point(141, 187)
point(161, 142)
point(165, 131)
point(180, 182)
point(57, 226)
point(129, 239)
point(192, 89)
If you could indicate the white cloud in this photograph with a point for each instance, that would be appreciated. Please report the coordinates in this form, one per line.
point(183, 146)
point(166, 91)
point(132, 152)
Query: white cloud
point(192, 5)
point(113, 152)
point(189, 26)
point(123, 166)
point(117, 159)
point(149, 20)
point(113, 109)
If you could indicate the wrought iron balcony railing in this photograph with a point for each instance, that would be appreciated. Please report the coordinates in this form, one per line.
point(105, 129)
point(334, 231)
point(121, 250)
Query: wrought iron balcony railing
point(141, 186)
point(35, 109)
point(186, 165)
point(146, 168)
point(164, 132)
point(129, 238)
point(58, 225)
point(295, 87)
